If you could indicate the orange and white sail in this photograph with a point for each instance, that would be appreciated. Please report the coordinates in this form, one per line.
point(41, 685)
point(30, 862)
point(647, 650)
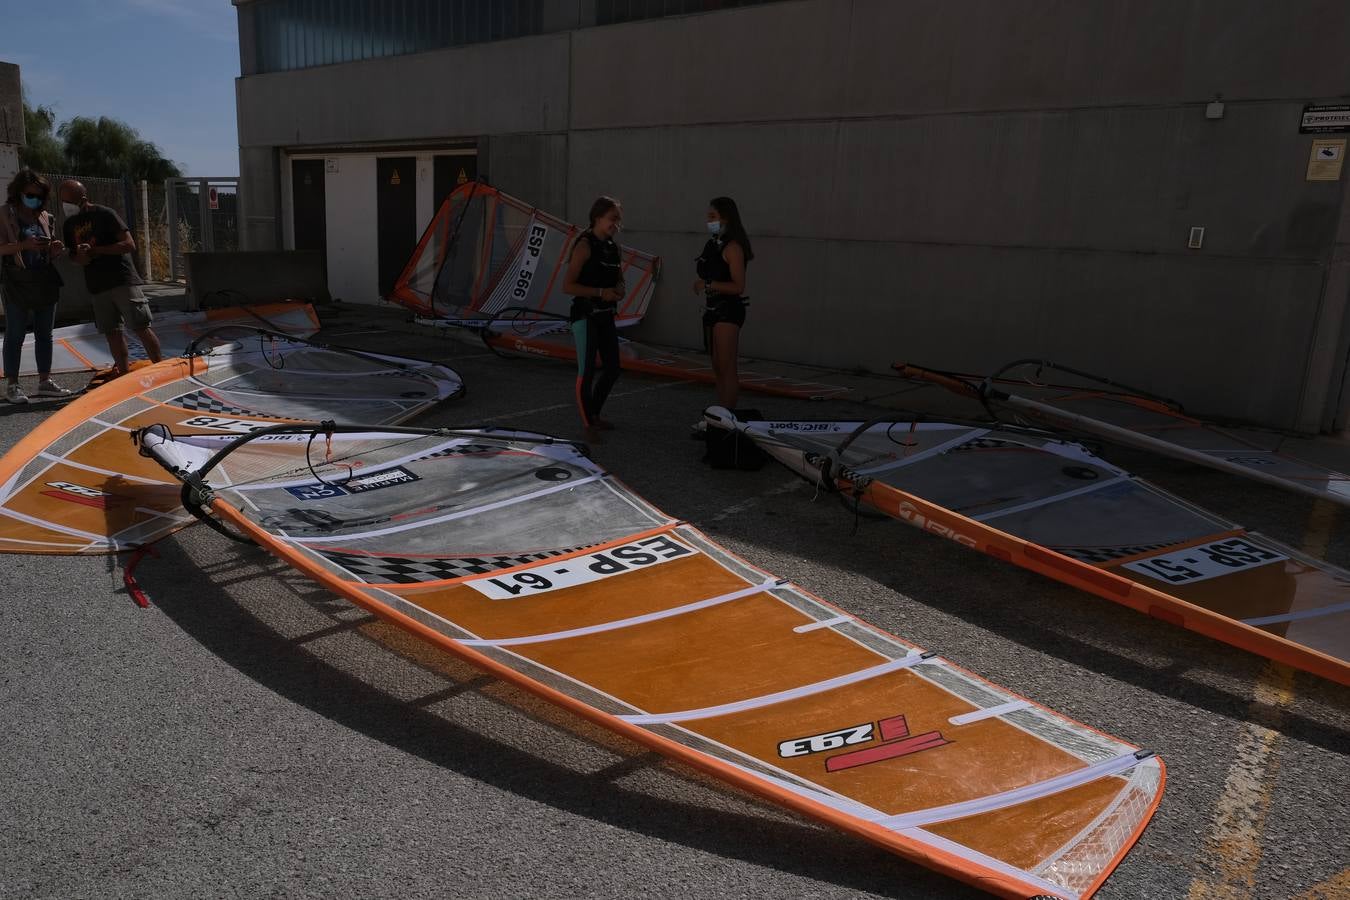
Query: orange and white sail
point(517, 553)
point(489, 257)
point(80, 348)
point(1049, 505)
point(76, 484)
point(1089, 404)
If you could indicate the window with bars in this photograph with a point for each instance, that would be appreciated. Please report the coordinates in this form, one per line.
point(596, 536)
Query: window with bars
point(300, 34)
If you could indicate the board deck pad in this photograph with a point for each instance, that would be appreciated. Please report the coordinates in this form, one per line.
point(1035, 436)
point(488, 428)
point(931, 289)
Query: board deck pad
point(1051, 506)
point(519, 554)
point(78, 485)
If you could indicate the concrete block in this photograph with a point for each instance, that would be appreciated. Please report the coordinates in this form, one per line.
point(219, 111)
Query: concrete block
point(246, 278)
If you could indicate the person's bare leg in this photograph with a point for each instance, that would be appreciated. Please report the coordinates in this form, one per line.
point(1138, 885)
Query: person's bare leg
point(726, 338)
point(150, 341)
point(708, 347)
point(117, 344)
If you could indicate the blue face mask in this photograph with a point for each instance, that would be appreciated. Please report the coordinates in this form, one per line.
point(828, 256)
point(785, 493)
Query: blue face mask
point(715, 226)
point(32, 202)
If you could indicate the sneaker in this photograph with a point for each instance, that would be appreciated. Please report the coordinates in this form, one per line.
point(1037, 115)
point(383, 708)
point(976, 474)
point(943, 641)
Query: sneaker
point(48, 388)
point(15, 394)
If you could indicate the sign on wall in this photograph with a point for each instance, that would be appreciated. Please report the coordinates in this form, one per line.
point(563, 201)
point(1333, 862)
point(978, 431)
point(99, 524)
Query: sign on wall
point(1325, 119)
point(1326, 159)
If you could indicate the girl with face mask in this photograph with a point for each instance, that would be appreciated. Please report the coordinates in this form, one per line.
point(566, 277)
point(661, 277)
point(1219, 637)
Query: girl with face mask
point(29, 283)
point(595, 281)
point(721, 281)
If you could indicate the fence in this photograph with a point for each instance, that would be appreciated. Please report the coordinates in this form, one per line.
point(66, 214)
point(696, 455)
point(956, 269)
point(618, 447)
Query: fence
point(205, 213)
point(141, 206)
point(167, 220)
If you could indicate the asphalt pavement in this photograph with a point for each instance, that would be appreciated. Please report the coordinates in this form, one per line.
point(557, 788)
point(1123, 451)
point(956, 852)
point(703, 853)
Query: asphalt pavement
point(251, 735)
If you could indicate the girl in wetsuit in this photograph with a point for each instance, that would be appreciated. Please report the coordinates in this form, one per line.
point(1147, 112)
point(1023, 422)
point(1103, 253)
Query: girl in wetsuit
point(595, 281)
point(721, 281)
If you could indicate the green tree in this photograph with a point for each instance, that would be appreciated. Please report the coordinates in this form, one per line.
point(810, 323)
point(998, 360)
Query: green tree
point(43, 151)
point(109, 148)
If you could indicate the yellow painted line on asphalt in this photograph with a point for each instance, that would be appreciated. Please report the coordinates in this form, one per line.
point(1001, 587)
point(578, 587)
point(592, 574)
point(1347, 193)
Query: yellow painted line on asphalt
point(1337, 887)
point(1232, 851)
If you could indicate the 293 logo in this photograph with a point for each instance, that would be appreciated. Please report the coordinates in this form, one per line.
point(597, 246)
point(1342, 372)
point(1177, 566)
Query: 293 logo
point(830, 740)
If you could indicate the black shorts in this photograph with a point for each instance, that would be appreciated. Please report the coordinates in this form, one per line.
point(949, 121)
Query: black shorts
point(724, 309)
point(585, 307)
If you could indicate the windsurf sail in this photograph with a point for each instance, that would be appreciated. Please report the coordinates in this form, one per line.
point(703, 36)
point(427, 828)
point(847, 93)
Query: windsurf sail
point(80, 348)
point(77, 485)
point(495, 265)
point(1051, 506)
point(520, 555)
point(489, 257)
point(1090, 404)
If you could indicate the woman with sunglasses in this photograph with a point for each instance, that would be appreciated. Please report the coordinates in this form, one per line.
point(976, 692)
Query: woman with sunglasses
point(29, 282)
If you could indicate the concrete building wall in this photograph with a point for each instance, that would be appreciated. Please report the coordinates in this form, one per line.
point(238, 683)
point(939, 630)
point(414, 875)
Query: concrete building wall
point(950, 183)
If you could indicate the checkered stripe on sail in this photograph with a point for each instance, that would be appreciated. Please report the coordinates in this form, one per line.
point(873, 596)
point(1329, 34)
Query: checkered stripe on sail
point(1107, 554)
point(415, 570)
point(201, 401)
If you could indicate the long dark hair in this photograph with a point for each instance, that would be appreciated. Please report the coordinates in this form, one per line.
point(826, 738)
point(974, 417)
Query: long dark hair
point(735, 230)
point(602, 205)
point(23, 179)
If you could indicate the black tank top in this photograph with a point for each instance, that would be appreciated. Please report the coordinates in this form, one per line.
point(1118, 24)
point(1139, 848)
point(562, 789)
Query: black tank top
point(604, 266)
point(712, 267)
point(710, 264)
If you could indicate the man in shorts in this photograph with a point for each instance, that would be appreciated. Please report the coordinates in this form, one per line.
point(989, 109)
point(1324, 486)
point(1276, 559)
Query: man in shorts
point(98, 240)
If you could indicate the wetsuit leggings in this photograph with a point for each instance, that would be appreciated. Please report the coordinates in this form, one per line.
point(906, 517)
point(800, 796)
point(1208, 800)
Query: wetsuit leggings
point(595, 336)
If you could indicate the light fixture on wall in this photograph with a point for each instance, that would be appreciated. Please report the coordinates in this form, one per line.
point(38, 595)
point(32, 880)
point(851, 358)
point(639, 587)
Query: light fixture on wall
point(1214, 110)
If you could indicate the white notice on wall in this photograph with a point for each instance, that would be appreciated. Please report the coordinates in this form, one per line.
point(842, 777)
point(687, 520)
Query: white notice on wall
point(1325, 159)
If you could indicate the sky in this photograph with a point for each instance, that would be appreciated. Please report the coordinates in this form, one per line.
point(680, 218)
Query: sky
point(165, 67)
